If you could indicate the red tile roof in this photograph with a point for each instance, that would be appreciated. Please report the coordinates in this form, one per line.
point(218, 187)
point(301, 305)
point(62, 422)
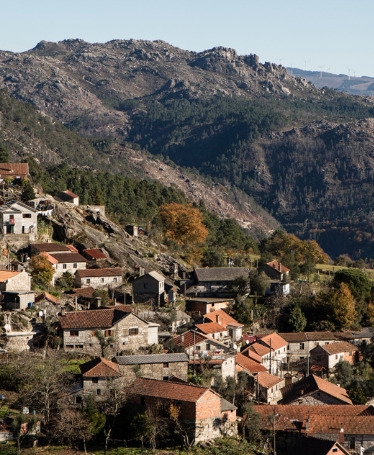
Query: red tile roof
point(7, 275)
point(338, 347)
point(188, 339)
point(244, 362)
point(274, 340)
point(70, 194)
point(14, 169)
point(94, 253)
point(110, 271)
point(221, 317)
point(92, 319)
point(211, 327)
point(311, 384)
point(300, 337)
point(278, 266)
point(268, 380)
point(46, 295)
point(100, 367)
point(169, 390)
point(325, 419)
point(68, 258)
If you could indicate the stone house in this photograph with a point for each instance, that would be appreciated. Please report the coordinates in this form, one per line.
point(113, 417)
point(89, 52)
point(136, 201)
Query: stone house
point(16, 290)
point(205, 352)
point(18, 218)
point(301, 343)
point(199, 306)
point(48, 304)
point(313, 390)
point(276, 271)
point(98, 278)
point(204, 414)
point(348, 428)
point(328, 355)
point(69, 196)
point(216, 281)
point(154, 366)
point(66, 262)
point(120, 328)
point(268, 387)
point(271, 351)
point(100, 378)
point(248, 365)
point(150, 286)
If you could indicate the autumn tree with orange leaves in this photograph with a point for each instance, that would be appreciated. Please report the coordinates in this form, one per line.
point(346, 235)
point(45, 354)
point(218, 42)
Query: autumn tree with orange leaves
point(183, 224)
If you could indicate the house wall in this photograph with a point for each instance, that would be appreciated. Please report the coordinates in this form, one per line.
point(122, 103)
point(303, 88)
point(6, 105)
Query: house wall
point(100, 388)
point(22, 223)
point(87, 342)
point(154, 371)
point(71, 267)
point(97, 282)
point(228, 367)
point(19, 301)
point(204, 307)
point(20, 282)
point(146, 287)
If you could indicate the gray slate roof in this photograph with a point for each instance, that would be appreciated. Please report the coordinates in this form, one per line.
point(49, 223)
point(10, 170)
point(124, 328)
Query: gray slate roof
point(221, 273)
point(151, 358)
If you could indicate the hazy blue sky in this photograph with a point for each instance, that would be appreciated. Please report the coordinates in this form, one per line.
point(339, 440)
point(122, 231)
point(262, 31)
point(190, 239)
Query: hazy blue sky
point(329, 35)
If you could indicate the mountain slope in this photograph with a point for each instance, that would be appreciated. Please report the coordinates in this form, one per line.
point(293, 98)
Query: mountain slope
point(304, 154)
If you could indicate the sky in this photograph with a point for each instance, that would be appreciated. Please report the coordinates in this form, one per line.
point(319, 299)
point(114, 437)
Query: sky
point(335, 36)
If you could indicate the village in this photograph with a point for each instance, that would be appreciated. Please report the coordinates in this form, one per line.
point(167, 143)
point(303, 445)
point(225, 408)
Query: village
point(142, 342)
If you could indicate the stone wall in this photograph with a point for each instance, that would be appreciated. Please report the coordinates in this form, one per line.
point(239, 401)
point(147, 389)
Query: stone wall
point(154, 371)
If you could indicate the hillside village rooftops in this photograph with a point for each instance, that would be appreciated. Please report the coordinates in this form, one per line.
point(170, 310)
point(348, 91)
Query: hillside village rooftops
point(220, 273)
point(94, 253)
point(274, 341)
point(210, 327)
point(354, 419)
point(157, 276)
point(113, 271)
point(151, 359)
point(222, 318)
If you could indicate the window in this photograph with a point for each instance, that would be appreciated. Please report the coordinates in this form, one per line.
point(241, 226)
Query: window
point(95, 380)
point(75, 265)
point(88, 281)
point(302, 346)
point(69, 346)
point(102, 280)
point(352, 443)
point(108, 333)
point(133, 331)
point(336, 356)
point(26, 215)
point(98, 391)
point(78, 400)
point(115, 280)
point(288, 347)
point(74, 333)
point(208, 347)
point(165, 365)
point(64, 266)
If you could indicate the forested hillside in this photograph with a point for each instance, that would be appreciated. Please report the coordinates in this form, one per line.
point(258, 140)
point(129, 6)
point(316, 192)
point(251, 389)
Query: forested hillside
point(302, 153)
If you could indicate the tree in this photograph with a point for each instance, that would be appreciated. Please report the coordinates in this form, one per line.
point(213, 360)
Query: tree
point(183, 224)
point(213, 257)
point(297, 320)
point(41, 270)
point(357, 281)
point(28, 192)
point(260, 282)
point(342, 307)
point(4, 155)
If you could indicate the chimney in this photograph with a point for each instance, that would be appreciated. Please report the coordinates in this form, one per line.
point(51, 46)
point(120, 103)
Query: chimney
point(182, 338)
point(141, 271)
point(217, 318)
point(341, 436)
